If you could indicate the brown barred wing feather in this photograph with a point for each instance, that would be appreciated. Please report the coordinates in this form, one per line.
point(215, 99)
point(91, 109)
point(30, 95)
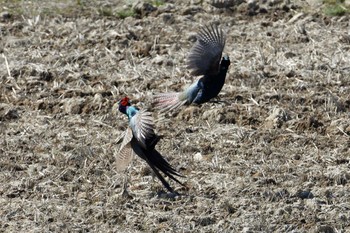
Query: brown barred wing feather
point(126, 152)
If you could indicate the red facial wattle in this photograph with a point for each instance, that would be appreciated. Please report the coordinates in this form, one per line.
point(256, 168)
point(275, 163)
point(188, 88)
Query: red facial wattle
point(125, 101)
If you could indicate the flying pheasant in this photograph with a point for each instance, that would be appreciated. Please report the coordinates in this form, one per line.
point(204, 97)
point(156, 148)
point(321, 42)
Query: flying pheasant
point(141, 139)
point(204, 59)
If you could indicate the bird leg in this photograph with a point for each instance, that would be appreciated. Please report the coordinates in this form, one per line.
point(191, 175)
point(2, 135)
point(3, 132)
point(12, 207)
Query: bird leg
point(125, 193)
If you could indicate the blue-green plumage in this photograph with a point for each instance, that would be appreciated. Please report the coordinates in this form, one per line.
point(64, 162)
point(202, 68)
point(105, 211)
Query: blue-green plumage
point(131, 111)
point(143, 141)
point(204, 59)
point(210, 86)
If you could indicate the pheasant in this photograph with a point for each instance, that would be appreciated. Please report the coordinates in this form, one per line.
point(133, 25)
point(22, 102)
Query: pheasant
point(141, 139)
point(204, 59)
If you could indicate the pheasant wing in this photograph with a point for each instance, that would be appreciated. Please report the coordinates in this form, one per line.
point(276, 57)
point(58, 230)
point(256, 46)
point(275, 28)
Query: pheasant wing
point(142, 125)
point(126, 152)
point(205, 55)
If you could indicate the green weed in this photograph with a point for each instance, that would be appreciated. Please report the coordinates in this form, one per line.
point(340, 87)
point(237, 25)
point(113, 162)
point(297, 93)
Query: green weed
point(128, 12)
point(335, 7)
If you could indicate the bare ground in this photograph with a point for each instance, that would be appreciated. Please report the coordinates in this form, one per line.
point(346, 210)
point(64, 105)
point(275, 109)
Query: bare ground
point(270, 155)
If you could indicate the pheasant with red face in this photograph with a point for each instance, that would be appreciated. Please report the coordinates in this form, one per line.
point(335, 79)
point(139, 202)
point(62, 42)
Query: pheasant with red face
point(141, 139)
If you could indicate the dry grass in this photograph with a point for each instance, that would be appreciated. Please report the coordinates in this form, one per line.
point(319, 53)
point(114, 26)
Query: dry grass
point(271, 156)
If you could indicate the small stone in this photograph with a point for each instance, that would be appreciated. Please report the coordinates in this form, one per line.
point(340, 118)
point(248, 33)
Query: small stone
point(74, 105)
point(198, 157)
point(305, 195)
point(315, 123)
point(5, 15)
point(263, 10)
point(192, 10)
point(325, 229)
point(189, 112)
point(252, 6)
point(166, 8)
point(213, 115)
point(8, 113)
point(196, 2)
point(276, 119)
point(143, 8)
point(159, 60)
point(142, 49)
point(163, 195)
point(168, 18)
point(289, 55)
point(169, 62)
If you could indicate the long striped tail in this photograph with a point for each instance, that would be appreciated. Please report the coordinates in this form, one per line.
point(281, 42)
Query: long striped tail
point(167, 102)
point(157, 162)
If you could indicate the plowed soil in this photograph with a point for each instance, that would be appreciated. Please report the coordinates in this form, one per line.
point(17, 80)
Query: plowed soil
point(270, 154)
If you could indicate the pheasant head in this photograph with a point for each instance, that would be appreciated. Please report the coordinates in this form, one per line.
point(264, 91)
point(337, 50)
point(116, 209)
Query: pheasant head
point(225, 63)
point(124, 104)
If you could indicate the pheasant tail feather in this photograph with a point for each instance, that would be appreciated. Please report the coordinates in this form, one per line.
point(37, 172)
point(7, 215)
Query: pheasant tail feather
point(168, 101)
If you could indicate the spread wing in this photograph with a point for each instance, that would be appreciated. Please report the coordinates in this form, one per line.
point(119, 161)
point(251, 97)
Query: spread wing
point(205, 55)
point(142, 125)
point(126, 152)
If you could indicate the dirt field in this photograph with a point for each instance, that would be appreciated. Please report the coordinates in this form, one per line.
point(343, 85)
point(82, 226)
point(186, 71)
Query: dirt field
point(271, 154)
